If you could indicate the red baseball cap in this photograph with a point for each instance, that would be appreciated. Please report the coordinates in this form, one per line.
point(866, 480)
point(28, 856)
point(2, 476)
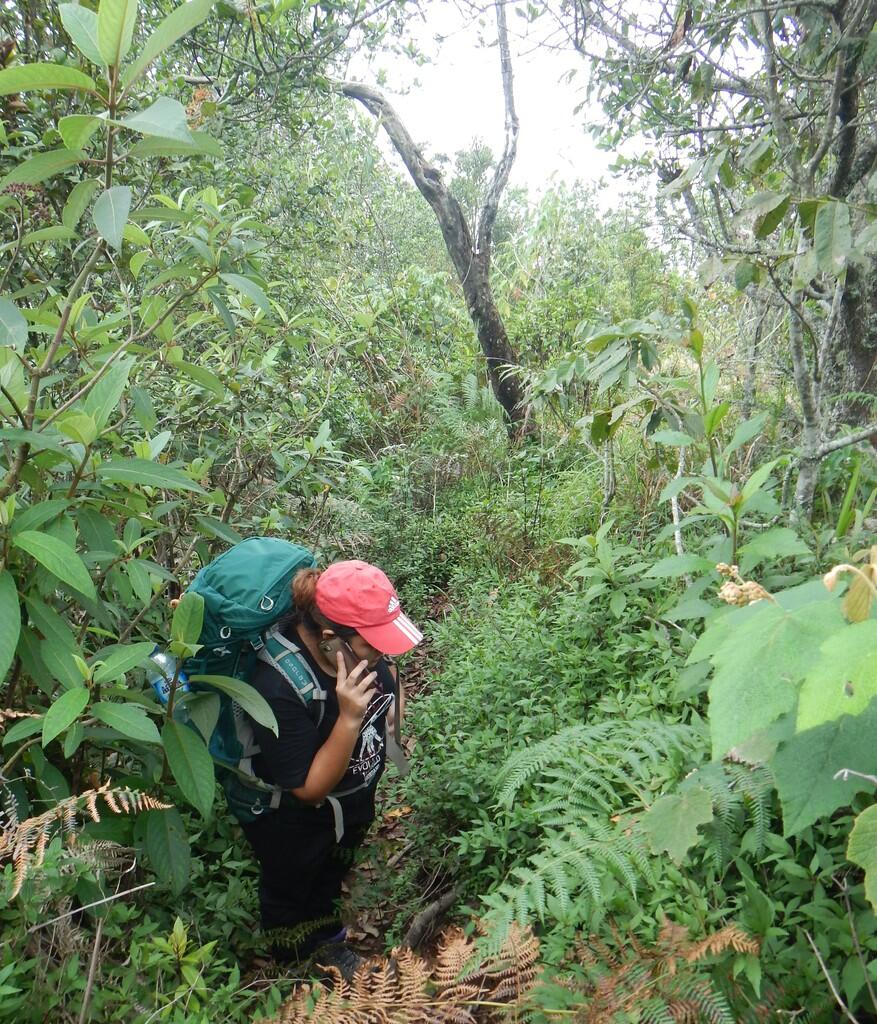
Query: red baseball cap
point(354, 593)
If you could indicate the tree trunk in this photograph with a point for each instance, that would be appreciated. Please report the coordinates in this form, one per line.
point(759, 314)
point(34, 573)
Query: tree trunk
point(850, 376)
point(470, 255)
point(493, 339)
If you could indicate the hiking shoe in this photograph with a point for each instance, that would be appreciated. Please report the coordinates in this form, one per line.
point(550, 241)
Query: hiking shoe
point(340, 956)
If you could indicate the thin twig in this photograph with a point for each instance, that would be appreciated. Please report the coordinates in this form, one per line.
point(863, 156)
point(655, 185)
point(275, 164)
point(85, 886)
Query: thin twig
point(828, 978)
point(88, 906)
point(92, 971)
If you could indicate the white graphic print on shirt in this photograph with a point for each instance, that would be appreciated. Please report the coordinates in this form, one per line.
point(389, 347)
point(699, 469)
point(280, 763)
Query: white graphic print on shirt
point(368, 754)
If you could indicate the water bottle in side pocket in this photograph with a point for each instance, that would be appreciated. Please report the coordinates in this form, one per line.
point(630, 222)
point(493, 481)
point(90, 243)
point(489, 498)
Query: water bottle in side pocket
point(160, 675)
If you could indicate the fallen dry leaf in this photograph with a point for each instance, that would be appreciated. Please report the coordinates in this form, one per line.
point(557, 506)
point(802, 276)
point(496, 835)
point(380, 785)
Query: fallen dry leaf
point(398, 812)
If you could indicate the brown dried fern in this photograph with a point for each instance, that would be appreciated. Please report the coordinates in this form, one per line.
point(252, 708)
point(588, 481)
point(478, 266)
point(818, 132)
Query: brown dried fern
point(458, 988)
point(658, 982)
point(24, 842)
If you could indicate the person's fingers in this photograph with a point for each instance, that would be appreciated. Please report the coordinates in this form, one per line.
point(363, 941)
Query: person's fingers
point(366, 682)
point(356, 672)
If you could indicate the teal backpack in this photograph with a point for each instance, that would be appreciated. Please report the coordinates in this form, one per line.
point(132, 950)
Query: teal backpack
point(246, 592)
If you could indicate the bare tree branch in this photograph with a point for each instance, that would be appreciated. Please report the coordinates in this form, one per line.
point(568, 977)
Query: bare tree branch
point(487, 218)
point(471, 261)
point(865, 434)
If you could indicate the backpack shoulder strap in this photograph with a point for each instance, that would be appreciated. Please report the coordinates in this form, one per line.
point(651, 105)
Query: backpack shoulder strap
point(285, 657)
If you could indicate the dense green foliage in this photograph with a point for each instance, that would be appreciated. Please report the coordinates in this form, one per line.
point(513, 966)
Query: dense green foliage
point(223, 315)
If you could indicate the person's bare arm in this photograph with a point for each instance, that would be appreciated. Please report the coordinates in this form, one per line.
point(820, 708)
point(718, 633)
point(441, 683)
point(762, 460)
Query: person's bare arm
point(354, 691)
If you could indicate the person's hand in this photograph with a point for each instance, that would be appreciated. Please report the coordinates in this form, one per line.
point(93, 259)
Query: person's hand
point(354, 690)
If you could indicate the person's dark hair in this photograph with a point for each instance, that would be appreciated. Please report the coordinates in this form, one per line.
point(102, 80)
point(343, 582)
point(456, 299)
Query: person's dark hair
point(306, 612)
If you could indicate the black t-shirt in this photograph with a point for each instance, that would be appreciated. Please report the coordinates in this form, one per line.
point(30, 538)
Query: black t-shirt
point(285, 759)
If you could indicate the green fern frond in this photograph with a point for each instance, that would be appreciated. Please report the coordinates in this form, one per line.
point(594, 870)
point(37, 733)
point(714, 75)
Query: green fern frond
point(620, 863)
point(656, 1011)
point(560, 884)
point(623, 751)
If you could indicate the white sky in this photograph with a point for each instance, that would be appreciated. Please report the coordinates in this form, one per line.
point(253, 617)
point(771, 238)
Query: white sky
point(458, 97)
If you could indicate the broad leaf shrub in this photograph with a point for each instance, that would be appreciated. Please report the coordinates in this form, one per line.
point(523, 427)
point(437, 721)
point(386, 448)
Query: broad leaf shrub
point(154, 409)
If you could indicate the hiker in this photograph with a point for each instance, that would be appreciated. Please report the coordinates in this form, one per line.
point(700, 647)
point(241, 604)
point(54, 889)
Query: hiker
point(345, 620)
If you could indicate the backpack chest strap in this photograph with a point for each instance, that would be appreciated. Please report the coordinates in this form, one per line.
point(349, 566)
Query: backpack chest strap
point(286, 658)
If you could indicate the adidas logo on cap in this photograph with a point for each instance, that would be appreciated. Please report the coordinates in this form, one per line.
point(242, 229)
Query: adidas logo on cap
point(393, 605)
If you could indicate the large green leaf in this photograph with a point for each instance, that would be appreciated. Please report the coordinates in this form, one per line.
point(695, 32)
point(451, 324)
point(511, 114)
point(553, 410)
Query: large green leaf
point(13, 326)
point(205, 378)
point(248, 288)
point(38, 441)
point(216, 528)
point(188, 618)
point(122, 660)
point(58, 645)
point(63, 712)
point(77, 201)
point(140, 580)
point(104, 397)
point(42, 166)
point(180, 21)
point(81, 25)
point(115, 27)
point(128, 719)
point(78, 426)
point(759, 665)
point(675, 566)
point(756, 481)
point(191, 765)
point(77, 129)
point(152, 474)
point(22, 730)
point(242, 693)
point(862, 850)
point(55, 233)
point(745, 273)
point(671, 823)
point(168, 847)
point(831, 238)
point(59, 558)
point(202, 710)
point(202, 144)
point(111, 213)
point(778, 542)
point(745, 432)
point(165, 118)
point(10, 621)
point(770, 211)
point(806, 764)
point(42, 76)
point(672, 437)
point(844, 679)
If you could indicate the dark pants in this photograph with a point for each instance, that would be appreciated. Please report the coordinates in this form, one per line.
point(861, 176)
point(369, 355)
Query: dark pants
point(302, 867)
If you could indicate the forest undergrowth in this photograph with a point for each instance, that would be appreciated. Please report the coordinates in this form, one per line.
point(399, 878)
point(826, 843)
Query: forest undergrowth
point(617, 454)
